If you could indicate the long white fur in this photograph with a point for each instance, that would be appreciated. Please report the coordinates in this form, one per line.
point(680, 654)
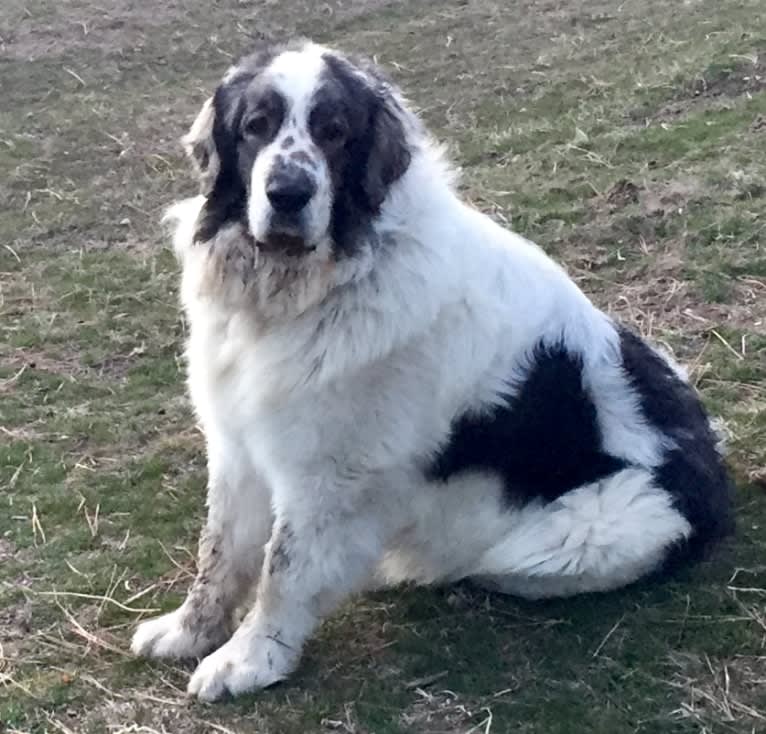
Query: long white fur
point(323, 429)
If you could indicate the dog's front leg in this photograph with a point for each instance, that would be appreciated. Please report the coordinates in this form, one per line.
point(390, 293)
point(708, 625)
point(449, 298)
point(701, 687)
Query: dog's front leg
point(231, 553)
point(325, 546)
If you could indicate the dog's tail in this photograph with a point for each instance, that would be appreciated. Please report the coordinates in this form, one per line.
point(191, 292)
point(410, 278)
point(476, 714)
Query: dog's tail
point(598, 537)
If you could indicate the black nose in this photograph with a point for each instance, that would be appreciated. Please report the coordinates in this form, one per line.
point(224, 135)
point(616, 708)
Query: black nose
point(289, 192)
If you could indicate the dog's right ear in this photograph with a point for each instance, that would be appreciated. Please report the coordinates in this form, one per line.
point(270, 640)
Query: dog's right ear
point(200, 147)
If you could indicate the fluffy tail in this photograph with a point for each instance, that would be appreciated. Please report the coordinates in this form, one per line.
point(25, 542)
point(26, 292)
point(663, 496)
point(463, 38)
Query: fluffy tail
point(598, 537)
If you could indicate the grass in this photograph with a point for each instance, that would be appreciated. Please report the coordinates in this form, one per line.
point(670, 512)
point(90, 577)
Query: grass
point(625, 138)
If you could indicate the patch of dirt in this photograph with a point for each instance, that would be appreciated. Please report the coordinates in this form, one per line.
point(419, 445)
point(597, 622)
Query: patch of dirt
point(7, 549)
point(115, 365)
point(134, 711)
point(667, 113)
point(711, 89)
point(113, 26)
point(759, 124)
point(33, 359)
point(660, 296)
point(743, 76)
point(126, 241)
point(70, 365)
point(624, 192)
point(657, 199)
point(656, 301)
point(440, 712)
point(668, 197)
point(630, 212)
point(746, 185)
point(721, 690)
point(16, 624)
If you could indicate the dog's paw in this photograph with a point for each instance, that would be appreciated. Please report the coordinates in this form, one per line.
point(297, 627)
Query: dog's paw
point(170, 636)
point(241, 666)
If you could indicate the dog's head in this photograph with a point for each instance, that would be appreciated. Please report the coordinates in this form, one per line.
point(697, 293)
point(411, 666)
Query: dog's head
point(300, 146)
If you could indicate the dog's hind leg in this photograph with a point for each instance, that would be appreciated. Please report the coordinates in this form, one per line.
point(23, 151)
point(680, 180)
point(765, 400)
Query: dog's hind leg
point(230, 557)
point(450, 526)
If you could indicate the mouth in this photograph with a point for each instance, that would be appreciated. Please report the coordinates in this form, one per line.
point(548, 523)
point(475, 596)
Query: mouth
point(284, 243)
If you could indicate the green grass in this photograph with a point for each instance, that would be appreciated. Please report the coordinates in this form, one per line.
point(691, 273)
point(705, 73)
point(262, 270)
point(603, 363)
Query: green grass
point(620, 136)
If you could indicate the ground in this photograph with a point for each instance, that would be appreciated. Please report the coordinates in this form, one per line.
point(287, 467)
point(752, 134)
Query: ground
point(626, 137)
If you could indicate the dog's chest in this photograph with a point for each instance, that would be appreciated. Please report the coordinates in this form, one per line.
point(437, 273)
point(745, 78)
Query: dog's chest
point(229, 375)
point(252, 385)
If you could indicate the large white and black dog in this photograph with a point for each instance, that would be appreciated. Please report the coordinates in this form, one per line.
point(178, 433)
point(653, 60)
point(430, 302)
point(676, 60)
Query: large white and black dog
point(393, 387)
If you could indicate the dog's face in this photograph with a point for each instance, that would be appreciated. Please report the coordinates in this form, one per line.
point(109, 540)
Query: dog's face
point(299, 146)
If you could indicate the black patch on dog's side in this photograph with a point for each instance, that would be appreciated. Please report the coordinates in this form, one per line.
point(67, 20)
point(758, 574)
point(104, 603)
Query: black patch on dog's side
point(543, 443)
point(374, 153)
point(693, 472)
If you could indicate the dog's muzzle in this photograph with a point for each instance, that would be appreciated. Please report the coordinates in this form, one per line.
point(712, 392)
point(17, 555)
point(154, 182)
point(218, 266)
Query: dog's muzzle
point(289, 189)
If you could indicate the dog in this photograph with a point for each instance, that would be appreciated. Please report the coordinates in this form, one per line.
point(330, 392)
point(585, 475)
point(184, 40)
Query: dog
point(394, 388)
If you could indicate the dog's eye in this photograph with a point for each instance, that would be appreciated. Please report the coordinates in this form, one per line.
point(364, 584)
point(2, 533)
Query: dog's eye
point(333, 133)
point(257, 126)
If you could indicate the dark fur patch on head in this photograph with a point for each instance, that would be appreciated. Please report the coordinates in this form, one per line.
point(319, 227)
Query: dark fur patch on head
point(375, 152)
point(226, 199)
point(246, 117)
point(288, 141)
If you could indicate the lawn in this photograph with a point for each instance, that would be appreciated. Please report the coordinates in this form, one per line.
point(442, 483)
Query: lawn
point(627, 138)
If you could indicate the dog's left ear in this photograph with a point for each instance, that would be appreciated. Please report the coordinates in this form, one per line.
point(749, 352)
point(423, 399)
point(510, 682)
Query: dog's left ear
point(200, 147)
point(389, 154)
